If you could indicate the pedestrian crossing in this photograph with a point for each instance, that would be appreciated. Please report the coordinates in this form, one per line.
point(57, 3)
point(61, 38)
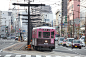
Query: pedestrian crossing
point(10, 55)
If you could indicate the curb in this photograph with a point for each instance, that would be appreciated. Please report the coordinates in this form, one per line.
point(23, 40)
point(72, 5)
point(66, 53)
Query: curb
point(4, 49)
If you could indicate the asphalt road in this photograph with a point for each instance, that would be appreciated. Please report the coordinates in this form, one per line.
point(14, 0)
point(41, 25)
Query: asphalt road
point(69, 50)
point(6, 43)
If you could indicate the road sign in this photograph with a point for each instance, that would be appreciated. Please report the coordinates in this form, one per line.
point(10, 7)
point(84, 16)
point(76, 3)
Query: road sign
point(23, 31)
point(77, 21)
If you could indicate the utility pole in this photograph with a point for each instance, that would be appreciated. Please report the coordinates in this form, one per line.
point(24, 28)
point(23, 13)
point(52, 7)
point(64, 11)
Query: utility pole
point(68, 26)
point(85, 29)
point(73, 24)
point(61, 25)
point(28, 41)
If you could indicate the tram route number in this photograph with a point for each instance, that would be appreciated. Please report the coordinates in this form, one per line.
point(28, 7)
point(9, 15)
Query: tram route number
point(46, 43)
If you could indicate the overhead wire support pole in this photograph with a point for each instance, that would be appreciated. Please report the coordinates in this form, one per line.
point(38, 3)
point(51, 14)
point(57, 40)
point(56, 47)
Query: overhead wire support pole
point(73, 24)
point(28, 43)
point(28, 23)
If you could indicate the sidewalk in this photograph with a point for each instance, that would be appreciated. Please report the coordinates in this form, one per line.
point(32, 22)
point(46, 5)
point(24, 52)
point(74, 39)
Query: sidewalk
point(19, 48)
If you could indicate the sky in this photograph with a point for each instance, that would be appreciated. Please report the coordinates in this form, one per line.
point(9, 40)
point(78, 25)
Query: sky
point(4, 4)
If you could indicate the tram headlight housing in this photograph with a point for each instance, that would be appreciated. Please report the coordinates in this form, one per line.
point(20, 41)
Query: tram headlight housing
point(46, 41)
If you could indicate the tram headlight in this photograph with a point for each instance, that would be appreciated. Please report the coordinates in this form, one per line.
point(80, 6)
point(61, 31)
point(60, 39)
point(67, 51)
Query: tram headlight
point(46, 41)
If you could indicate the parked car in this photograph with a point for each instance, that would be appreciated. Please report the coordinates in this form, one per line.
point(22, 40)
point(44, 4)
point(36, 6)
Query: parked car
point(25, 38)
point(8, 38)
point(56, 38)
point(82, 38)
point(16, 38)
point(64, 42)
point(82, 43)
point(69, 42)
point(76, 44)
point(13, 37)
point(60, 40)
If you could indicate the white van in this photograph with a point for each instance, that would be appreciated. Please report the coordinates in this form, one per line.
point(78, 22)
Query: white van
point(60, 40)
point(69, 42)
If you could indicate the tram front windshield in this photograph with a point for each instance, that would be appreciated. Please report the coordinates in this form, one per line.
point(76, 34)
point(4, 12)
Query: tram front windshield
point(46, 34)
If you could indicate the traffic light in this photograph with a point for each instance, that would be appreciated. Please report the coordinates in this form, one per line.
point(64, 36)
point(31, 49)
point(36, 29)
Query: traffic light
point(6, 29)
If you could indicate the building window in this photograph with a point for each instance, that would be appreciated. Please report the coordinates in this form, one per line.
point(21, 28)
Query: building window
point(70, 0)
point(78, 0)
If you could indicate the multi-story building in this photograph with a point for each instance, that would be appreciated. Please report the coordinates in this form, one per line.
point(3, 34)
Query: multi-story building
point(58, 21)
point(23, 26)
point(83, 15)
point(64, 8)
point(5, 22)
point(54, 23)
point(72, 13)
point(44, 11)
point(63, 16)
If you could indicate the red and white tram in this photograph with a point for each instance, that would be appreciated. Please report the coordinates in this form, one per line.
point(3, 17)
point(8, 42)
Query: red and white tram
point(43, 37)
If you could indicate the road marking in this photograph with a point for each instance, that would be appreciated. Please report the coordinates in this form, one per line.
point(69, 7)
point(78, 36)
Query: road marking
point(38, 55)
point(58, 56)
point(8, 55)
point(77, 56)
point(28, 55)
point(67, 56)
point(48, 56)
point(18, 56)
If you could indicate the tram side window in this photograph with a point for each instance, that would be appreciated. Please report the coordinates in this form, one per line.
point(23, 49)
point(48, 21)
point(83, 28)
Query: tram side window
point(46, 34)
point(52, 34)
point(39, 35)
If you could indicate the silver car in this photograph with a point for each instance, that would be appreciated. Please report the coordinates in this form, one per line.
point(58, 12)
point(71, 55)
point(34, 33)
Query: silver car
point(8, 38)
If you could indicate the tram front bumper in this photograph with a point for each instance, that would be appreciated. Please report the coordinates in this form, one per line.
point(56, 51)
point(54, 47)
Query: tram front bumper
point(47, 45)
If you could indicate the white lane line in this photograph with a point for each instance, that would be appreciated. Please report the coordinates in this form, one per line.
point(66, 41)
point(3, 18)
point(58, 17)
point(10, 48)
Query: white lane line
point(48, 56)
point(58, 56)
point(67, 56)
point(77, 56)
point(18, 56)
point(8, 55)
point(38, 56)
point(28, 55)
